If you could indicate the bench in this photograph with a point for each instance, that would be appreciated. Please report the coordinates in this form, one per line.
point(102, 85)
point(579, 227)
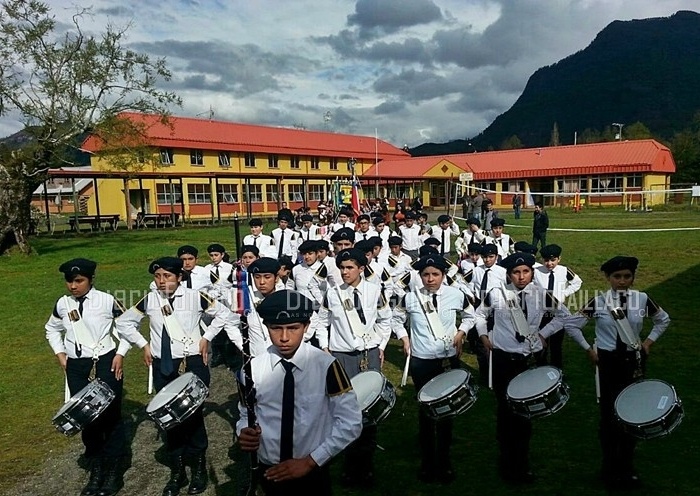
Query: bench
point(156, 220)
point(94, 221)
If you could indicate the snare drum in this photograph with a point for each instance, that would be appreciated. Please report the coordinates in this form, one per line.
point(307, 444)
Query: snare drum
point(537, 392)
point(448, 394)
point(375, 394)
point(648, 409)
point(83, 407)
point(177, 400)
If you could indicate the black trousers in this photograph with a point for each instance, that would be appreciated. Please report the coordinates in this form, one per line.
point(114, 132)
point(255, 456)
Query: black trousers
point(434, 436)
point(316, 482)
point(189, 437)
point(513, 431)
point(539, 237)
point(106, 435)
point(616, 371)
point(552, 354)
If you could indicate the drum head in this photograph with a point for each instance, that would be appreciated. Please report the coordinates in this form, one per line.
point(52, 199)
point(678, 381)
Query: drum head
point(533, 382)
point(92, 389)
point(442, 385)
point(368, 386)
point(645, 401)
point(170, 391)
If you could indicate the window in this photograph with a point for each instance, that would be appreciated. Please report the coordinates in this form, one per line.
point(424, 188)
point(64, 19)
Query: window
point(224, 159)
point(168, 193)
point(315, 163)
point(227, 193)
point(572, 185)
point(491, 187)
point(296, 192)
point(255, 193)
point(513, 186)
point(334, 164)
point(316, 192)
point(272, 193)
point(606, 184)
point(634, 181)
point(399, 191)
point(198, 193)
point(166, 156)
point(250, 160)
point(196, 157)
point(295, 162)
point(272, 161)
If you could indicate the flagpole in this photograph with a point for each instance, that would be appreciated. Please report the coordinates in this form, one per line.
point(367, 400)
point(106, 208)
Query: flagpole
point(376, 164)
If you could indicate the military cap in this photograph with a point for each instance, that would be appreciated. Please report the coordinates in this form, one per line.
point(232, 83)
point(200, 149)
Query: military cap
point(169, 264)
point(432, 242)
point(255, 222)
point(285, 261)
point(250, 248)
point(433, 260)
point(517, 259)
point(216, 247)
point(187, 250)
point(285, 307)
point(525, 247)
point(378, 220)
point(411, 215)
point(498, 222)
point(364, 245)
point(474, 248)
point(620, 263)
point(264, 265)
point(321, 244)
point(345, 211)
point(551, 251)
point(395, 240)
point(442, 219)
point(285, 216)
point(79, 266)
point(474, 220)
point(308, 245)
point(343, 233)
point(363, 217)
point(489, 249)
point(427, 250)
point(351, 254)
point(376, 241)
point(307, 218)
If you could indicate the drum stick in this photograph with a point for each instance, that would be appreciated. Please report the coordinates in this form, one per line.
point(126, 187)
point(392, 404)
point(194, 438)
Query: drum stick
point(597, 377)
point(404, 377)
point(150, 379)
point(491, 369)
point(66, 391)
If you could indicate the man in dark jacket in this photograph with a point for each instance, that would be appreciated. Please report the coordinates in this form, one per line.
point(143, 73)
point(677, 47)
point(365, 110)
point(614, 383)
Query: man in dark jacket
point(540, 226)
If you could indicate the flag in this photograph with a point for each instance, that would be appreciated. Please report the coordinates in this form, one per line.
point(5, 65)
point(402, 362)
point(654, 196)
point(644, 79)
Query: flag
point(355, 198)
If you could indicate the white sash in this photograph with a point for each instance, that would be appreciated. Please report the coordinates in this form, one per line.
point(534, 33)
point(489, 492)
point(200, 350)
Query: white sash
point(82, 335)
point(517, 316)
point(433, 318)
point(359, 330)
point(172, 325)
point(624, 329)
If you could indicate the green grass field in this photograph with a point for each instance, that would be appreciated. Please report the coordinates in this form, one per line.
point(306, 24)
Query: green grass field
point(564, 450)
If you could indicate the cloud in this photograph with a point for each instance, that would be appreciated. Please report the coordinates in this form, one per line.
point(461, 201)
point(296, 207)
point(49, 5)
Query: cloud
point(415, 86)
point(387, 16)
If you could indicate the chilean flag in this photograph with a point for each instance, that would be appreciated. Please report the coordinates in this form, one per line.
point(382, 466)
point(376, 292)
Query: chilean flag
point(355, 198)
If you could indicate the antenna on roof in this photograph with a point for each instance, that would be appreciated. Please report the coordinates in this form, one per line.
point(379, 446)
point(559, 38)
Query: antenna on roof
point(209, 112)
point(327, 118)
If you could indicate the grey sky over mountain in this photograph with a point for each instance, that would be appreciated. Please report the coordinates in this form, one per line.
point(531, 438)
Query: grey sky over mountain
point(410, 70)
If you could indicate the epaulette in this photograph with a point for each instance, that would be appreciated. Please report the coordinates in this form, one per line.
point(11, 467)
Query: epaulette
point(55, 310)
point(385, 275)
point(292, 236)
point(570, 274)
point(322, 271)
point(405, 279)
point(272, 242)
point(652, 307)
point(382, 301)
point(117, 308)
point(393, 261)
point(368, 272)
point(337, 381)
point(205, 300)
point(450, 280)
point(468, 276)
point(141, 304)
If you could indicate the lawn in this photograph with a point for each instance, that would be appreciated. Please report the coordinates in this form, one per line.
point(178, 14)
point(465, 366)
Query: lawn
point(564, 450)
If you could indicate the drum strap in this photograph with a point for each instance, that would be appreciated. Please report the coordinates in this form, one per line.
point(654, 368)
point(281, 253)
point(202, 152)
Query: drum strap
point(433, 318)
point(83, 335)
point(172, 325)
point(359, 329)
point(517, 316)
point(624, 329)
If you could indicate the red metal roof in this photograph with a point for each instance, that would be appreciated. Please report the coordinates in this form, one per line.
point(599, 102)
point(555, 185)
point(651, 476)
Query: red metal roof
point(596, 158)
point(186, 132)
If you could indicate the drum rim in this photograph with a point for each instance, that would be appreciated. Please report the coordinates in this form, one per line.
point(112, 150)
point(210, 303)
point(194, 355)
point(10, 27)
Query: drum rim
point(676, 401)
point(96, 384)
point(375, 398)
point(544, 392)
point(434, 380)
point(164, 390)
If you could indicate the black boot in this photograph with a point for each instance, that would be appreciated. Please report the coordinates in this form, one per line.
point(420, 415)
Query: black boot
point(96, 478)
point(178, 477)
point(113, 481)
point(199, 475)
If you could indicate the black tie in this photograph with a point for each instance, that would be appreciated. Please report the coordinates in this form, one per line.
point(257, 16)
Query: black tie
point(166, 355)
point(435, 301)
point(287, 435)
point(442, 245)
point(472, 240)
point(279, 253)
point(358, 307)
point(550, 284)
point(81, 300)
point(189, 280)
point(255, 241)
point(620, 345)
point(365, 236)
point(214, 276)
point(484, 283)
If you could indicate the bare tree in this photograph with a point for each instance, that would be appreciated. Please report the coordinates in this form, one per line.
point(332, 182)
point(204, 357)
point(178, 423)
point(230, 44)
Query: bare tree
point(63, 85)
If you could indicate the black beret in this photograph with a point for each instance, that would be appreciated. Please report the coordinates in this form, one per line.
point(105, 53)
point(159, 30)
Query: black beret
point(551, 251)
point(395, 240)
point(364, 245)
point(427, 250)
point(79, 266)
point(432, 242)
point(498, 222)
point(516, 259)
point(474, 248)
point(321, 244)
point(474, 220)
point(255, 222)
point(285, 261)
point(286, 217)
point(620, 263)
point(411, 215)
point(423, 215)
point(363, 217)
point(169, 264)
point(433, 260)
point(489, 249)
point(187, 250)
point(265, 265)
point(525, 247)
point(308, 245)
point(378, 220)
point(376, 241)
point(345, 211)
point(216, 247)
point(250, 248)
point(443, 219)
point(307, 218)
point(344, 233)
point(351, 254)
point(285, 307)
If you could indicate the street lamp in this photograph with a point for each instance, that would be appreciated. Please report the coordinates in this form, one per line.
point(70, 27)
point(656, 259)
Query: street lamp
point(619, 132)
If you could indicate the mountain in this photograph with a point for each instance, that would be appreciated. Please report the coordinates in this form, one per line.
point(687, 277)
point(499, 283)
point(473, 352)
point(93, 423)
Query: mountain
point(642, 70)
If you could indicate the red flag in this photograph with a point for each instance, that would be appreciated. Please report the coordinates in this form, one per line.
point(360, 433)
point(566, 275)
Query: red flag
point(355, 199)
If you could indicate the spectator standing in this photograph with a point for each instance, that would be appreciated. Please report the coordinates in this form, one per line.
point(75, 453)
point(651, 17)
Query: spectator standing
point(540, 225)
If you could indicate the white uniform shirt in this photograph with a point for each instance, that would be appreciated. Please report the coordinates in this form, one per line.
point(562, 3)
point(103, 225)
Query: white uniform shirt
point(289, 245)
point(337, 225)
point(361, 236)
point(566, 282)
point(262, 242)
point(424, 345)
point(504, 243)
point(312, 233)
point(99, 312)
point(443, 236)
point(470, 236)
point(323, 424)
point(411, 237)
point(221, 276)
point(496, 278)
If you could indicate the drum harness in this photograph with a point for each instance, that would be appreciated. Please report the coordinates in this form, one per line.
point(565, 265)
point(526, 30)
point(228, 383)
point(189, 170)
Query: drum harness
point(434, 323)
point(359, 329)
point(518, 319)
point(83, 335)
point(175, 331)
point(624, 328)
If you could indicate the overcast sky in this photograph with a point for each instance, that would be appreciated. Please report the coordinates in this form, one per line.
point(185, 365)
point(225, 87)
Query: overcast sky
point(414, 70)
